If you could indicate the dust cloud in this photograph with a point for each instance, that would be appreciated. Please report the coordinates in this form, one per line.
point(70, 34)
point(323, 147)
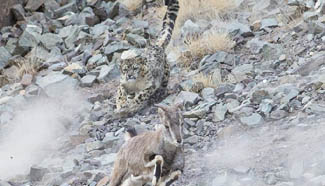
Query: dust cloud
point(269, 155)
point(36, 128)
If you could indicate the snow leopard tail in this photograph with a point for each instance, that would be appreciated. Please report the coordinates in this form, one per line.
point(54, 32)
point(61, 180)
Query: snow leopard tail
point(168, 23)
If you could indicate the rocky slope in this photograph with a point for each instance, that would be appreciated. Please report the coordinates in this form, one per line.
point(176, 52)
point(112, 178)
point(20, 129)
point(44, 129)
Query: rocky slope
point(259, 124)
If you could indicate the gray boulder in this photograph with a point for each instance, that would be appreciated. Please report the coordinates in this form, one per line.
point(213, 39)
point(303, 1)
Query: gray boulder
point(4, 57)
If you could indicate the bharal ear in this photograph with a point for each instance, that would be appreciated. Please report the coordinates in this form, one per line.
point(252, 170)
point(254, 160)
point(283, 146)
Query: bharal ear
point(180, 106)
point(161, 114)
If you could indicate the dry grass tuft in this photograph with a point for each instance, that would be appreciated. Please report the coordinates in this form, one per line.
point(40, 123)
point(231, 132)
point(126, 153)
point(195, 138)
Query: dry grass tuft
point(202, 9)
point(135, 5)
point(209, 43)
point(206, 80)
point(27, 66)
point(132, 5)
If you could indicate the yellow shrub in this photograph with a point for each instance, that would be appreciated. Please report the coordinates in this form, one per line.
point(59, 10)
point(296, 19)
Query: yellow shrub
point(132, 5)
point(206, 80)
point(209, 43)
point(205, 9)
point(27, 66)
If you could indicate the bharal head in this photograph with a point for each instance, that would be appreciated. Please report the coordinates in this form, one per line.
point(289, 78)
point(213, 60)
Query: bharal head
point(172, 119)
point(131, 67)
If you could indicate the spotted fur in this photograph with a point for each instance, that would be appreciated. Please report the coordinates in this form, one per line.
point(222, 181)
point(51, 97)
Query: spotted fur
point(145, 72)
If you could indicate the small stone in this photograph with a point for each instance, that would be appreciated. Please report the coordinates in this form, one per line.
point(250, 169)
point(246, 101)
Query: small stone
point(220, 112)
point(223, 89)
point(140, 24)
point(208, 93)
point(19, 12)
point(70, 7)
point(3, 80)
point(95, 145)
point(196, 113)
point(278, 114)
point(14, 48)
point(290, 94)
point(30, 37)
point(88, 81)
point(4, 57)
point(26, 79)
point(68, 30)
point(315, 27)
point(48, 82)
point(115, 47)
point(243, 72)
point(74, 68)
point(270, 22)
point(190, 29)
point(256, 46)
point(294, 3)
point(283, 57)
point(310, 16)
point(51, 40)
point(188, 86)
point(51, 5)
point(310, 37)
point(94, 59)
point(266, 106)
point(259, 95)
point(239, 28)
point(315, 108)
point(136, 40)
point(305, 99)
point(211, 63)
point(113, 9)
point(37, 173)
point(192, 140)
point(33, 5)
point(108, 73)
point(107, 159)
point(239, 87)
point(256, 25)
point(252, 120)
point(109, 140)
point(130, 54)
point(88, 17)
point(187, 98)
point(232, 104)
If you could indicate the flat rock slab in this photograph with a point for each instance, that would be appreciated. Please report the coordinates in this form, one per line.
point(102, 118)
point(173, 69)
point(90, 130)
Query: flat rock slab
point(33, 5)
point(88, 81)
point(252, 120)
point(4, 57)
point(27, 79)
point(37, 173)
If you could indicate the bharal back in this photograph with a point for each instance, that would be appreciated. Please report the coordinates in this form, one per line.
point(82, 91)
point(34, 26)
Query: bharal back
point(130, 157)
point(152, 155)
point(145, 72)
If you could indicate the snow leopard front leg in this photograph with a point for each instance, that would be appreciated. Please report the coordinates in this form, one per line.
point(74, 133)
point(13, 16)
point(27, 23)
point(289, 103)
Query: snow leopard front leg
point(121, 98)
point(138, 102)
